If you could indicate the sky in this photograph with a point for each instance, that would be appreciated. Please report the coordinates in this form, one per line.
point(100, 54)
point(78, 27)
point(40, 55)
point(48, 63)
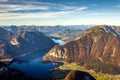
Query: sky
point(59, 12)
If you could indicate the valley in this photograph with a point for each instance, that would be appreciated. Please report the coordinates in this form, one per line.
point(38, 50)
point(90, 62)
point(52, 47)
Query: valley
point(66, 33)
point(92, 55)
point(59, 39)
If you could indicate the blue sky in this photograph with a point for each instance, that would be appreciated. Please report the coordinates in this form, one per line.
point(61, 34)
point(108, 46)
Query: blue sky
point(59, 12)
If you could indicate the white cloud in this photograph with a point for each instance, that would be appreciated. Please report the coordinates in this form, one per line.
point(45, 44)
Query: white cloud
point(103, 14)
point(11, 7)
point(81, 8)
point(3, 0)
point(7, 11)
point(49, 10)
point(32, 15)
point(41, 14)
point(118, 6)
point(32, 5)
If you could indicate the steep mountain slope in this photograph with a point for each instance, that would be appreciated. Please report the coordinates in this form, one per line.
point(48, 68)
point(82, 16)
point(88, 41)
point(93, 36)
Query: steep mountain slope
point(4, 42)
point(97, 48)
point(4, 35)
point(29, 41)
point(22, 43)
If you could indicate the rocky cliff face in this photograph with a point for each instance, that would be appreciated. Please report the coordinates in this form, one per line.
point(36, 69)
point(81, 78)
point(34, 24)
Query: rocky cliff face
point(4, 42)
point(4, 35)
point(22, 43)
point(97, 48)
point(29, 41)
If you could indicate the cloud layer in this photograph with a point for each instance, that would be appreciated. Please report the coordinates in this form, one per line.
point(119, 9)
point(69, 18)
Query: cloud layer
point(54, 10)
point(25, 9)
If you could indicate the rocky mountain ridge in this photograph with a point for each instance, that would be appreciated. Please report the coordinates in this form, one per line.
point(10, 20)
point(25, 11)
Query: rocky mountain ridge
point(66, 33)
point(97, 48)
point(22, 42)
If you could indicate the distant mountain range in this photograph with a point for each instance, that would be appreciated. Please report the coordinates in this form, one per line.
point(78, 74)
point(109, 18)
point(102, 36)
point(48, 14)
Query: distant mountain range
point(66, 33)
point(97, 48)
point(19, 43)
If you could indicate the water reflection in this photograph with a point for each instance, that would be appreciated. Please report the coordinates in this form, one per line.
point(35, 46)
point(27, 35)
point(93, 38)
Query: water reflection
point(33, 68)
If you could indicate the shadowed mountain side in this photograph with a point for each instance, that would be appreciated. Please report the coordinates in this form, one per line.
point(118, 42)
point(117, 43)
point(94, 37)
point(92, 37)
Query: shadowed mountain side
point(70, 75)
point(29, 41)
point(22, 43)
point(4, 43)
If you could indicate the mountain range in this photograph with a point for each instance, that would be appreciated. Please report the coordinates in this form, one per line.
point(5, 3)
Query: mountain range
point(24, 42)
point(66, 33)
point(97, 48)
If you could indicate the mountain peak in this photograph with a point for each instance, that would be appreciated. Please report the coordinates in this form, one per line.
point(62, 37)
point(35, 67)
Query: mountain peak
point(111, 30)
point(103, 29)
point(102, 26)
point(23, 42)
point(97, 48)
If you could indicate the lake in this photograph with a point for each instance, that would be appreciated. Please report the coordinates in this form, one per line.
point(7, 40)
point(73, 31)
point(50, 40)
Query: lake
point(59, 41)
point(32, 66)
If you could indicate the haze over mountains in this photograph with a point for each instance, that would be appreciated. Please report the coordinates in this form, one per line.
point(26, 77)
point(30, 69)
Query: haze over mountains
point(21, 41)
point(66, 33)
point(15, 40)
point(95, 48)
point(59, 40)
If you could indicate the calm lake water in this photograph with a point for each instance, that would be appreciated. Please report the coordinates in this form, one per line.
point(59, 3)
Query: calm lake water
point(32, 65)
point(33, 68)
point(59, 41)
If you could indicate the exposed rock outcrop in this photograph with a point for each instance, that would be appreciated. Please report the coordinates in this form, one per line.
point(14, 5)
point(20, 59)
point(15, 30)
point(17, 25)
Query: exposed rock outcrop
point(22, 43)
point(97, 48)
point(4, 43)
point(29, 41)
